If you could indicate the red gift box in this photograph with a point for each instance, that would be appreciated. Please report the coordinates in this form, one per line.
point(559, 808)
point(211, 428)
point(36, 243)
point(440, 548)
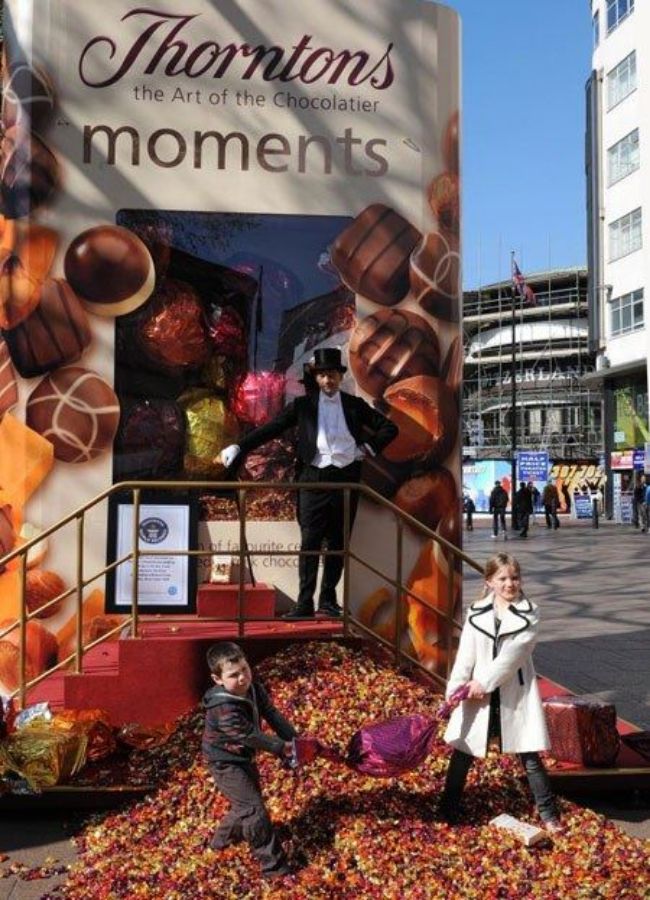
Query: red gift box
point(582, 730)
point(219, 601)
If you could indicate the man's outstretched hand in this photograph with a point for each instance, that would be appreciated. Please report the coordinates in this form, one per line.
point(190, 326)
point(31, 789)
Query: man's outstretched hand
point(229, 454)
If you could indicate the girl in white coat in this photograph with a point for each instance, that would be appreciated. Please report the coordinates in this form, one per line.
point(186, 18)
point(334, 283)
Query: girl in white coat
point(495, 659)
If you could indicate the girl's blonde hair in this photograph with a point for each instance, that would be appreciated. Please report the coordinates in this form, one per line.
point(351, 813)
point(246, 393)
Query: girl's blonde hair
point(496, 562)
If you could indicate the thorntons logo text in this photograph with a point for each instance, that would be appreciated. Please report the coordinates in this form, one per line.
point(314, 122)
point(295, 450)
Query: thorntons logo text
point(159, 48)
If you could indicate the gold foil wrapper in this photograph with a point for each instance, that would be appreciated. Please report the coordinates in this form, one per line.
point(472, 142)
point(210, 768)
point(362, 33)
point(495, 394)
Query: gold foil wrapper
point(210, 426)
point(44, 755)
point(95, 724)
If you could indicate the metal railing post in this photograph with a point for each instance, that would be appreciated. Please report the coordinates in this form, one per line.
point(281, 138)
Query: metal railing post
point(22, 634)
point(449, 612)
point(346, 561)
point(136, 563)
point(399, 543)
point(242, 562)
point(78, 661)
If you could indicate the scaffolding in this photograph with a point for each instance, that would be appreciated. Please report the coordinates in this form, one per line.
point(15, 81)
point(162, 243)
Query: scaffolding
point(557, 407)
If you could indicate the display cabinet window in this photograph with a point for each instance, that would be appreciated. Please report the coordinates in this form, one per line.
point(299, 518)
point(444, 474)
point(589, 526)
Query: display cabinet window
point(627, 313)
point(621, 81)
point(625, 235)
point(623, 157)
point(617, 10)
point(596, 28)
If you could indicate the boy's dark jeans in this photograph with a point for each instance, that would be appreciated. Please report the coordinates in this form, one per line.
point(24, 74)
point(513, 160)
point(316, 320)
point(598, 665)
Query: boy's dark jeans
point(498, 517)
point(461, 763)
point(247, 820)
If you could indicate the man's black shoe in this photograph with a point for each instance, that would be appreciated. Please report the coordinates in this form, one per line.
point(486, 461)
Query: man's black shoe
point(331, 612)
point(299, 612)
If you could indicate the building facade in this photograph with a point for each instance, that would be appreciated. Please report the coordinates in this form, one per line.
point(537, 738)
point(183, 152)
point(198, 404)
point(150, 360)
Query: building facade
point(544, 346)
point(618, 217)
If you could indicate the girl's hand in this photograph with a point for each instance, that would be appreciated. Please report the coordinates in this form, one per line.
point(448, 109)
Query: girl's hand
point(476, 690)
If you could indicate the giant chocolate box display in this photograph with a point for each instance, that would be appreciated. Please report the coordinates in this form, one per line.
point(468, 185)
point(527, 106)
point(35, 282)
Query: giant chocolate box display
point(194, 199)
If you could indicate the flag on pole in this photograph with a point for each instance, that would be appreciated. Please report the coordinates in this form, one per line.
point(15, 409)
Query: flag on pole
point(524, 290)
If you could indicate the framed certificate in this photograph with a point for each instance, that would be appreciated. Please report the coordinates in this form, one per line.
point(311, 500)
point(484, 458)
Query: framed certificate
point(166, 584)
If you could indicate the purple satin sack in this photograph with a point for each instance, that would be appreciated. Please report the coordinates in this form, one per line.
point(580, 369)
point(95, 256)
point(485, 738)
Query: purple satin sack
point(390, 748)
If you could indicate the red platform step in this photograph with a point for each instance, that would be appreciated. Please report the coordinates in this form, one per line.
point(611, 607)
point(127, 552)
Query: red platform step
point(163, 673)
point(219, 601)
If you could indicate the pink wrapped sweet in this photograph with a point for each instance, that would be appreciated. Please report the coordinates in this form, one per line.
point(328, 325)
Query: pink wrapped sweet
point(258, 397)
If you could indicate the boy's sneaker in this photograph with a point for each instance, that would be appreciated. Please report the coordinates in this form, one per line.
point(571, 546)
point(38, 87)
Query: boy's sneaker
point(494, 537)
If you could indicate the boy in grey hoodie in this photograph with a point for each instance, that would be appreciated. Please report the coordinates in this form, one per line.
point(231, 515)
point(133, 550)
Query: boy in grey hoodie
point(232, 735)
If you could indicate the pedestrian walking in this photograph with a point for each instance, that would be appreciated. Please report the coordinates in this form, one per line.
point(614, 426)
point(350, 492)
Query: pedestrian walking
point(498, 505)
point(551, 500)
point(523, 504)
point(638, 503)
point(469, 508)
point(535, 495)
point(646, 507)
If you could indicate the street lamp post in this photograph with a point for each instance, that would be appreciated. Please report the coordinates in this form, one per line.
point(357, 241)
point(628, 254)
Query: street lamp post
point(513, 400)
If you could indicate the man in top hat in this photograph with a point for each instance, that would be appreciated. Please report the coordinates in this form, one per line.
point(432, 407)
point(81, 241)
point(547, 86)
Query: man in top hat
point(335, 431)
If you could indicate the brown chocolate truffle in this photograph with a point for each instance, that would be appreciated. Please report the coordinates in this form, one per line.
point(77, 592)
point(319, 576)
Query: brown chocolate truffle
point(444, 200)
point(452, 368)
point(110, 269)
point(450, 142)
point(7, 533)
point(77, 411)
point(429, 497)
point(424, 409)
point(384, 476)
point(56, 333)
point(27, 97)
point(8, 386)
point(435, 276)
point(392, 345)
point(372, 254)
point(29, 173)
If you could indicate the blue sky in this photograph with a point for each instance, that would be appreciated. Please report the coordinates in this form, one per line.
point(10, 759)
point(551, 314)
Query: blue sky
point(525, 64)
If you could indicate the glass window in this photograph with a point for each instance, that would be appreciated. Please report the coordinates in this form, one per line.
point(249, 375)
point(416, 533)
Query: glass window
point(627, 313)
point(621, 81)
point(625, 235)
point(617, 10)
point(623, 157)
point(596, 28)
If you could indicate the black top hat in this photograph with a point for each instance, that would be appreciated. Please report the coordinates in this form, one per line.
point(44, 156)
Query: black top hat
point(327, 358)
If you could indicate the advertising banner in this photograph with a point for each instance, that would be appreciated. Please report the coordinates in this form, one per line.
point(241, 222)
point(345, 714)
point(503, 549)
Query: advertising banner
point(532, 465)
point(480, 477)
point(197, 197)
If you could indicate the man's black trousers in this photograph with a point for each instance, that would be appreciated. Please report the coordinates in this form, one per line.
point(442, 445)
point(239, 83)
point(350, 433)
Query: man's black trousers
point(321, 519)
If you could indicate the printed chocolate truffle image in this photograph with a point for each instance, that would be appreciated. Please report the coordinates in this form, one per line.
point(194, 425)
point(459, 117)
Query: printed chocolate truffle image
point(27, 252)
point(391, 345)
point(429, 497)
point(450, 143)
point(77, 411)
point(444, 200)
point(55, 334)
point(435, 276)
point(29, 173)
point(27, 97)
point(372, 254)
point(452, 368)
point(8, 386)
point(424, 409)
point(7, 533)
point(110, 269)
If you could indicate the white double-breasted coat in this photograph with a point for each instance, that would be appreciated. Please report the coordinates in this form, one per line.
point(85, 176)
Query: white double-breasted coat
point(523, 726)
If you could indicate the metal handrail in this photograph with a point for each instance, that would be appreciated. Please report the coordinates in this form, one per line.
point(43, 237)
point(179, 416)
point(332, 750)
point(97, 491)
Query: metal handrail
point(453, 556)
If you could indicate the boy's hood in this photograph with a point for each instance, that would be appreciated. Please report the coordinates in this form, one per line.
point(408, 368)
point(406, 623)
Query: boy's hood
point(216, 695)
